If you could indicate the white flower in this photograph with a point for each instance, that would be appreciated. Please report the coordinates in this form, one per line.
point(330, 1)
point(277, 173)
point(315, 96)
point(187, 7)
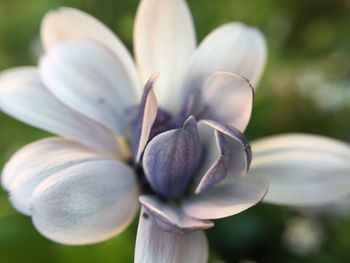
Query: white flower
point(78, 188)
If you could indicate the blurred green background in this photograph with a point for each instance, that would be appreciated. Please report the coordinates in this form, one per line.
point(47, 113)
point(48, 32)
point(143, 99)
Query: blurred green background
point(305, 88)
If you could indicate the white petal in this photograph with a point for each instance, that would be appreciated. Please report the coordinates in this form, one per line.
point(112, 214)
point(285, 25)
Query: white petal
point(68, 23)
point(87, 203)
point(35, 162)
point(164, 40)
point(85, 76)
point(171, 218)
point(302, 169)
point(227, 198)
point(233, 159)
point(233, 47)
point(146, 116)
point(24, 97)
point(153, 245)
point(229, 99)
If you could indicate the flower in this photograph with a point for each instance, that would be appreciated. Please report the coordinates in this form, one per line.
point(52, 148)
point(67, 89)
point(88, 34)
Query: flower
point(178, 147)
point(185, 159)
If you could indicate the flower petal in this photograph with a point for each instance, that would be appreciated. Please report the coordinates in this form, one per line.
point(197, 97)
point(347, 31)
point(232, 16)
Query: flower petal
point(234, 155)
point(171, 158)
point(226, 198)
point(87, 203)
point(153, 245)
point(85, 76)
point(67, 23)
point(146, 116)
point(24, 97)
point(228, 98)
point(23, 173)
point(233, 47)
point(171, 218)
point(302, 169)
point(164, 38)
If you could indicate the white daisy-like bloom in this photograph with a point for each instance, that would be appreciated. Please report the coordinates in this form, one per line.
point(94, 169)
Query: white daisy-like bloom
point(174, 144)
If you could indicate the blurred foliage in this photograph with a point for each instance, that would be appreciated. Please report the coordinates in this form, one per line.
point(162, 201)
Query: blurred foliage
point(305, 88)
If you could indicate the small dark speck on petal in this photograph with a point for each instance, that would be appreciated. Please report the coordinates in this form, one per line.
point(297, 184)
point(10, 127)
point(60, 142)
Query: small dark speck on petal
point(145, 216)
point(101, 100)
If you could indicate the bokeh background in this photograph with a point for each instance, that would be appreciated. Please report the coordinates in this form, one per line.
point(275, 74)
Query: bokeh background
point(305, 88)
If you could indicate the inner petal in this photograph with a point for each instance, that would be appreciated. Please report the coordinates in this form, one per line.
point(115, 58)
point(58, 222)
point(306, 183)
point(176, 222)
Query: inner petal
point(172, 158)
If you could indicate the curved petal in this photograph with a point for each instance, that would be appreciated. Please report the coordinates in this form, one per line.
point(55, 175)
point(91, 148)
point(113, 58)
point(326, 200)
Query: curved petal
point(233, 47)
point(24, 97)
point(228, 98)
point(85, 76)
point(226, 198)
point(153, 245)
point(233, 159)
point(67, 23)
point(171, 159)
point(146, 116)
point(86, 203)
point(302, 169)
point(171, 218)
point(37, 161)
point(164, 38)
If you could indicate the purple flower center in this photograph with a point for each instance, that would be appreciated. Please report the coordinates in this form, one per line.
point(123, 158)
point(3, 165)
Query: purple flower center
point(172, 156)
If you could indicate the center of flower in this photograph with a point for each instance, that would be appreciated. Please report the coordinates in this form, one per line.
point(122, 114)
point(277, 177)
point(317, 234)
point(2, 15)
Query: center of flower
point(172, 156)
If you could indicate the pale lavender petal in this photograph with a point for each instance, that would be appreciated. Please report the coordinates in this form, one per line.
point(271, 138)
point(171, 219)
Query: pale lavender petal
point(226, 198)
point(303, 170)
point(89, 79)
point(153, 245)
point(24, 97)
point(217, 171)
point(164, 39)
point(145, 119)
point(66, 23)
point(228, 98)
point(233, 47)
point(37, 161)
point(87, 203)
point(234, 134)
point(234, 155)
point(171, 218)
point(171, 158)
